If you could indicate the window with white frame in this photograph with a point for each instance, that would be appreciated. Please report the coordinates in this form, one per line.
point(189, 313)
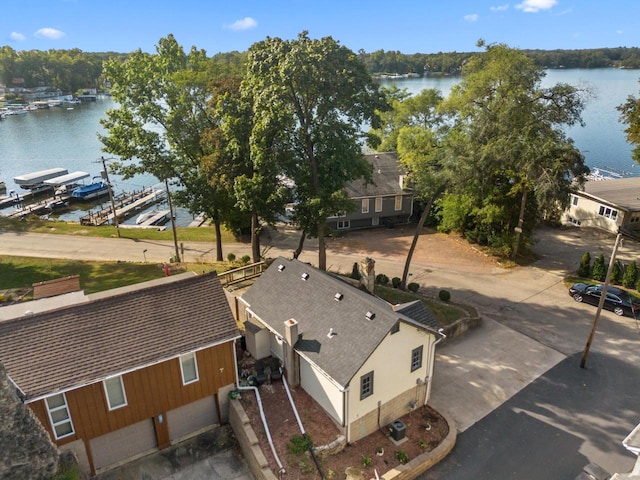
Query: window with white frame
point(416, 358)
point(574, 200)
point(189, 368)
point(608, 212)
point(366, 385)
point(114, 388)
point(342, 224)
point(398, 205)
point(59, 416)
point(378, 204)
point(365, 205)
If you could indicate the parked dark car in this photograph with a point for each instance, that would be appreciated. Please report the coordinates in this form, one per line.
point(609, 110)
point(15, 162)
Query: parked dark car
point(618, 301)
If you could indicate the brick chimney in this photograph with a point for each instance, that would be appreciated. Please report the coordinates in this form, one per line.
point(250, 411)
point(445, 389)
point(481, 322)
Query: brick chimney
point(291, 360)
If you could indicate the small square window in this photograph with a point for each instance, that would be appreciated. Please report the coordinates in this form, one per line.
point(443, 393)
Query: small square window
point(114, 388)
point(366, 385)
point(189, 368)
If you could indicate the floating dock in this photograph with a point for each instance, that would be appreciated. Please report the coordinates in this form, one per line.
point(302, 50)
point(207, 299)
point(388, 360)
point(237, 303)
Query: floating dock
point(127, 205)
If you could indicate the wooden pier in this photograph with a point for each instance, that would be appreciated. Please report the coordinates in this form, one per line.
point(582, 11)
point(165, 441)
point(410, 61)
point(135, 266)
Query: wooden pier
point(127, 205)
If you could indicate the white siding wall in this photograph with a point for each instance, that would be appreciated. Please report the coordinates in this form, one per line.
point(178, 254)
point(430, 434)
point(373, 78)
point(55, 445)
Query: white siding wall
point(585, 214)
point(322, 390)
point(391, 364)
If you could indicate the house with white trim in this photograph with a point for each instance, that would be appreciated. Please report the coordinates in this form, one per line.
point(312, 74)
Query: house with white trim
point(367, 363)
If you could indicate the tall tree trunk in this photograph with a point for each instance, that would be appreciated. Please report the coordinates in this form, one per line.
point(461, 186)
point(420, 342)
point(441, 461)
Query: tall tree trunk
point(414, 242)
point(322, 248)
point(518, 229)
point(255, 237)
point(216, 223)
point(173, 221)
point(298, 251)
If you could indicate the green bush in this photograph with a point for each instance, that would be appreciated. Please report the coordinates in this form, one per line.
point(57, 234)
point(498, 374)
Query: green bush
point(413, 287)
point(444, 295)
point(402, 456)
point(245, 259)
point(630, 276)
point(382, 279)
point(599, 270)
point(298, 444)
point(616, 273)
point(584, 270)
point(396, 281)
point(366, 461)
point(231, 257)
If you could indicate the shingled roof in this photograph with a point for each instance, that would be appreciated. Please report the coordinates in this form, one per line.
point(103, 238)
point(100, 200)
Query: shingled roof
point(321, 303)
point(385, 178)
point(65, 348)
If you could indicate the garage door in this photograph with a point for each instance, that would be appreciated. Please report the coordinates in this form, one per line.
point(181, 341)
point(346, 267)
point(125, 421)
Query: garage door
point(123, 444)
point(190, 418)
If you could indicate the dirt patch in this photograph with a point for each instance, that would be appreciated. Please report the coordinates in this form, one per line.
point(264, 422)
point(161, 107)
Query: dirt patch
point(425, 429)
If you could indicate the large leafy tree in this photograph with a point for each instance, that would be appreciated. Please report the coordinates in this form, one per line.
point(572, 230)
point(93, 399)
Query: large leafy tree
point(630, 114)
point(160, 118)
point(311, 100)
point(511, 147)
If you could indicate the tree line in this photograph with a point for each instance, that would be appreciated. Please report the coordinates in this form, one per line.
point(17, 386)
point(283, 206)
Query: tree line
point(73, 70)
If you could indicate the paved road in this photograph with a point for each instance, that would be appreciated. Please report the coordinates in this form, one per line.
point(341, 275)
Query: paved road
point(525, 352)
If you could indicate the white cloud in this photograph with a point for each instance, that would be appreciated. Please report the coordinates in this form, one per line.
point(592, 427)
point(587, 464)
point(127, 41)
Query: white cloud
point(18, 37)
point(500, 8)
point(50, 33)
point(244, 24)
point(472, 17)
point(534, 6)
point(619, 32)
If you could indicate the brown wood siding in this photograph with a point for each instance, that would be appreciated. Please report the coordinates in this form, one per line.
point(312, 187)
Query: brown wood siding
point(150, 391)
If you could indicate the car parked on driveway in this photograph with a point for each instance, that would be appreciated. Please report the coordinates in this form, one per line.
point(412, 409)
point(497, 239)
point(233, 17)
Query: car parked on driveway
point(617, 300)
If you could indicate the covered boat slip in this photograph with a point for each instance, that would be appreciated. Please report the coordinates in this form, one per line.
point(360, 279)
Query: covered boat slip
point(67, 179)
point(36, 179)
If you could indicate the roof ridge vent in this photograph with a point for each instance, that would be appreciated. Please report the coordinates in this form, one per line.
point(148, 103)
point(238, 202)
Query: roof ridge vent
point(370, 315)
point(338, 296)
point(304, 276)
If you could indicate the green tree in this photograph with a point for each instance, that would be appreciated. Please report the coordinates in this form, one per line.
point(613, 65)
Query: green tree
point(616, 273)
point(630, 114)
point(599, 270)
point(161, 116)
point(584, 270)
point(311, 99)
point(514, 159)
point(630, 276)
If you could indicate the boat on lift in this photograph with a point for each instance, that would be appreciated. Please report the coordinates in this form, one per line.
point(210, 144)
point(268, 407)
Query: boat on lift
point(35, 180)
point(65, 184)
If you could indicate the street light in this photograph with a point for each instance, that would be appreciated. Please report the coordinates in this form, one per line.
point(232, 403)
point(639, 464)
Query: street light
point(144, 253)
point(601, 303)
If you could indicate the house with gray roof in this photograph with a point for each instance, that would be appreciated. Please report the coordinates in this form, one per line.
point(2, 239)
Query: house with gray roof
point(115, 375)
point(386, 201)
point(364, 361)
point(609, 205)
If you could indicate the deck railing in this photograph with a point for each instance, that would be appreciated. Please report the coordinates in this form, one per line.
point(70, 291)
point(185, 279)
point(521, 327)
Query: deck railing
point(243, 273)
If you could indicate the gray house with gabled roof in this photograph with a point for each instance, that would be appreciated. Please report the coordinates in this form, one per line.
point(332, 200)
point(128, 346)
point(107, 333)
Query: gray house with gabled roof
point(365, 363)
point(387, 201)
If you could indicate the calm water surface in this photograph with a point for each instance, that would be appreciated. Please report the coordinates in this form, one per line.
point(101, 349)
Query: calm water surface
point(68, 138)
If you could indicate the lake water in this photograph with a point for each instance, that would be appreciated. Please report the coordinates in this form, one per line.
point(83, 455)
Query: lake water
point(68, 138)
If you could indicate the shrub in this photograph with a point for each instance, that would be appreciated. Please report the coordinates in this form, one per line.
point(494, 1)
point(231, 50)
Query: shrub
point(616, 273)
point(299, 444)
point(599, 270)
point(413, 287)
point(245, 259)
point(402, 456)
point(355, 271)
point(366, 461)
point(584, 270)
point(396, 281)
point(231, 257)
point(382, 279)
point(630, 276)
point(444, 295)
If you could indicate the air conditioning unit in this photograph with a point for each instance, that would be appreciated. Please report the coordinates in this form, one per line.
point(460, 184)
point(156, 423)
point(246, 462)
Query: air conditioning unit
point(398, 430)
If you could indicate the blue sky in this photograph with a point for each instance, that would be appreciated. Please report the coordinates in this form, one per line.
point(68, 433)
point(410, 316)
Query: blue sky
point(409, 26)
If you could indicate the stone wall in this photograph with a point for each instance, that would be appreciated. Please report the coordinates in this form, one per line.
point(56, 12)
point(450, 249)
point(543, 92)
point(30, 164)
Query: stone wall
point(461, 326)
point(32, 454)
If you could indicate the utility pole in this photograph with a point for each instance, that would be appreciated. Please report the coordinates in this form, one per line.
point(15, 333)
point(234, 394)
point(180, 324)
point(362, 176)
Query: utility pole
point(113, 203)
point(173, 220)
point(601, 303)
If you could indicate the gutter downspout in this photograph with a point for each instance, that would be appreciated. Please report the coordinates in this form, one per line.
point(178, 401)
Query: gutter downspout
point(432, 360)
point(266, 427)
point(347, 391)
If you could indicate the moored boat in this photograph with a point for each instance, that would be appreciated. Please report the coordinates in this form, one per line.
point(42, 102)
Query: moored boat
point(96, 189)
point(35, 180)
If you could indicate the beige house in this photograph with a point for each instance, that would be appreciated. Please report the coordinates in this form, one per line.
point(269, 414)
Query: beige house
point(606, 204)
point(367, 363)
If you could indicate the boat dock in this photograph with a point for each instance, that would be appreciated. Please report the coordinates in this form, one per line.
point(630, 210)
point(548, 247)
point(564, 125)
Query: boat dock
point(127, 205)
point(37, 208)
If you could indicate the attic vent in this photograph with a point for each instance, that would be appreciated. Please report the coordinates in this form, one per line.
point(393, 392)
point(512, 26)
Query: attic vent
point(304, 276)
point(331, 333)
point(338, 296)
point(280, 267)
point(370, 315)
